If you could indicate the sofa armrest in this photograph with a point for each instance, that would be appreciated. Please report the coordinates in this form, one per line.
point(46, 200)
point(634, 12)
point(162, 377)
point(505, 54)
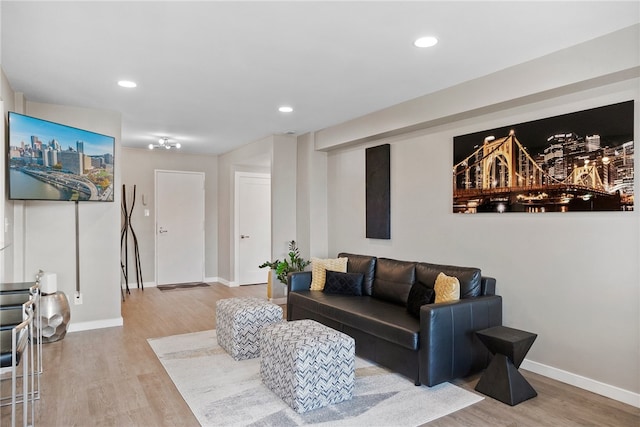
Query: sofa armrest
point(487, 285)
point(299, 281)
point(448, 346)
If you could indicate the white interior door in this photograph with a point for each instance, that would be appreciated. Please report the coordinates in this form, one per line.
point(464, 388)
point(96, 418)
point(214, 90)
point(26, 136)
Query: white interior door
point(179, 227)
point(253, 226)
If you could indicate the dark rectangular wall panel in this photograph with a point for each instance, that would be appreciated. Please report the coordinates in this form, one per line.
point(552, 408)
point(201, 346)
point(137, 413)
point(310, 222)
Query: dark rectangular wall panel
point(378, 192)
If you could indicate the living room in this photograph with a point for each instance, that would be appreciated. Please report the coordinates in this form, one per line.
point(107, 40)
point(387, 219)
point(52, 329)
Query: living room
point(571, 278)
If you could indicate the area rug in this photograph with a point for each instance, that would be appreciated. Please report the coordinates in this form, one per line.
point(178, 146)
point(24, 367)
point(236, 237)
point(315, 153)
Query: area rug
point(182, 286)
point(223, 392)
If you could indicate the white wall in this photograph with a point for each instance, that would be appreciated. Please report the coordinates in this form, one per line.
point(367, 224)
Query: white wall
point(608, 58)
point(311, 181)
point(138, 168)
point(253, 157)
point(275, 155)
point(7, 97)
point(572, 278)
point(283, 194)
point(47, 231)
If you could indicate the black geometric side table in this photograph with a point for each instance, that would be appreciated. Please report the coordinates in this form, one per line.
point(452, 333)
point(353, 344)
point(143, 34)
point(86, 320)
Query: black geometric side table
point(501, 380)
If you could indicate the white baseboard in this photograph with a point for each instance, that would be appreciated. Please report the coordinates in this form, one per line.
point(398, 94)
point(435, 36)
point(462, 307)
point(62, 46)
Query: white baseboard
point(134, 285)
point(221, 281)
point(206, 280)
point(226, 282)
point(94, 324)
point(278, 301)
point(607, 390)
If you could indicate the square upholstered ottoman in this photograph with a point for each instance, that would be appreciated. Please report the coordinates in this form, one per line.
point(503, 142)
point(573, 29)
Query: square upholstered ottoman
point(238, 324)
point(307, 364)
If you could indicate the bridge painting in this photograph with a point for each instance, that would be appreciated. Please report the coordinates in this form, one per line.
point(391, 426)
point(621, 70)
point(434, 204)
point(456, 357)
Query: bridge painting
point(581, 161)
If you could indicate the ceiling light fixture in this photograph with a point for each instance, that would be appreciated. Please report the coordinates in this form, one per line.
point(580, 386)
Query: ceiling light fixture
point(127, 83)
point(164, 143)
point(425, 42)
point(285, 109)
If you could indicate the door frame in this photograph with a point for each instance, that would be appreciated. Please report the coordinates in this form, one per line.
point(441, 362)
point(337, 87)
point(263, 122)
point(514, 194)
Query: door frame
point(236, 219)
point(155, 225)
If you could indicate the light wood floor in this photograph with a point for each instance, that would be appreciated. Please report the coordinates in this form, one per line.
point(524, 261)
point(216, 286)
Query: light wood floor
point(111, 377)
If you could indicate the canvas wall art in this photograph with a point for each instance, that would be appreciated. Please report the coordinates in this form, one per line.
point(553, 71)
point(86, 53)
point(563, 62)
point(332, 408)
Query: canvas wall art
point(55, 162)
point(582, 161)
point(378, 192)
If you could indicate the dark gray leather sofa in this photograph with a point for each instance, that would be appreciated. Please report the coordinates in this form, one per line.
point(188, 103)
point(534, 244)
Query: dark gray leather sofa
point(437, 347)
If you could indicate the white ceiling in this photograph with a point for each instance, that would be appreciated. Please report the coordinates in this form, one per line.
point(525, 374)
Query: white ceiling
point(212, 74)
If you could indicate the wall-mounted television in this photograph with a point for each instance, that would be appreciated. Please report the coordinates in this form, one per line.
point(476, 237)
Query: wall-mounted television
point(52, 161)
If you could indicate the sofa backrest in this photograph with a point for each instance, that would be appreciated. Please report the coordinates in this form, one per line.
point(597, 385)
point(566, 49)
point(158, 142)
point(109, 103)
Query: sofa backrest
point(469, 277)
point(361, 264)
point(393, 280)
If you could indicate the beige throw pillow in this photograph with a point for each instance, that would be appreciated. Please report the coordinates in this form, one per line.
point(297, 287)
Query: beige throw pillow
point(447, 288)
point(319, 268)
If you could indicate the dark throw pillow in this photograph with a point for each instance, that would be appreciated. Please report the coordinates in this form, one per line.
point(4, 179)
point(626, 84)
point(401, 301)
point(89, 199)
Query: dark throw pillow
point(419, 295)
point(343, 283)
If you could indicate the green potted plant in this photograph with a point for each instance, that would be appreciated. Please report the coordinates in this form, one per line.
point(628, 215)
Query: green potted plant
point(281, 269)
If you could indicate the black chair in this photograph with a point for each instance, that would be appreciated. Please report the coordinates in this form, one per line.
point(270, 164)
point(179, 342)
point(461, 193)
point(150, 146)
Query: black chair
point(21, 353)
point(20, 303)
point(12, 296)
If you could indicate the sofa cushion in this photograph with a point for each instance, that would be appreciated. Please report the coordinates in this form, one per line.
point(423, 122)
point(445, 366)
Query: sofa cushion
point(419, 295)
point(469, 277)
point(343, 283)
point(361, 264)
point(447, 288)
point(393, 280)
point(320, 266)
point(390, 322)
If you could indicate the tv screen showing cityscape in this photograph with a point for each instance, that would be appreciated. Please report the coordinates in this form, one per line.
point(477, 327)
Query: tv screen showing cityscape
point(582, 161)
point(52, 161)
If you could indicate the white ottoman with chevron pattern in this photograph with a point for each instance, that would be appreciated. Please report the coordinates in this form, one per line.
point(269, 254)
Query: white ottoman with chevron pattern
point(307, 364)
point(238, 324)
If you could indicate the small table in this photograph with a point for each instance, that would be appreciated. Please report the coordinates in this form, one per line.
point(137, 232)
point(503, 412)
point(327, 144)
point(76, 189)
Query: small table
point(501, 380)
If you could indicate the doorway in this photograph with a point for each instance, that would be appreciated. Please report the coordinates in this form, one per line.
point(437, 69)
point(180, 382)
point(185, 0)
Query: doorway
point(252, 226)
point(179, 227)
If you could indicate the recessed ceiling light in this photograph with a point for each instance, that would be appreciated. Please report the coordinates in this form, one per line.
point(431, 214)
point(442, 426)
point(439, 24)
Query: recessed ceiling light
point(425, 42)
point(285, 109)
point(127, 84)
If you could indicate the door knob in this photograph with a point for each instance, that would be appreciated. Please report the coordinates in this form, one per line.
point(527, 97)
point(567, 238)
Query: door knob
point(244, 236)
point(162, 230)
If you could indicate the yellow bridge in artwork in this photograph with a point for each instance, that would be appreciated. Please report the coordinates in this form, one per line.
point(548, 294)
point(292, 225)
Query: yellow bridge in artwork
point(501, 173)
